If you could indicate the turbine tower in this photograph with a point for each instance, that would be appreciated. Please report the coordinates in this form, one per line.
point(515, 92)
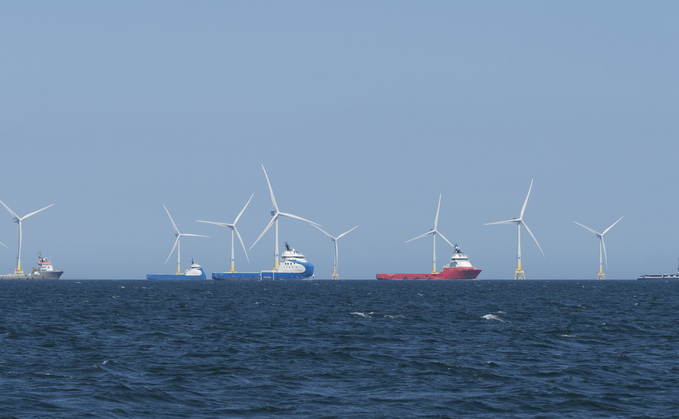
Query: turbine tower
point(602, 245)
point(433, 233)
point(233, 228)
point(334, 241)
point(519, 274)
point(276, 214)
point(177, 242)
point(19, 220)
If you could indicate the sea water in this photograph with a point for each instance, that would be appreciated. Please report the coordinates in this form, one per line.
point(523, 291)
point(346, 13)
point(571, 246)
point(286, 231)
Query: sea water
point(343, 349)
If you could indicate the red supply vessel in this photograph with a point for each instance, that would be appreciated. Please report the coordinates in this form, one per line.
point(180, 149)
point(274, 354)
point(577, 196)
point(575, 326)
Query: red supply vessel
point(458, 268)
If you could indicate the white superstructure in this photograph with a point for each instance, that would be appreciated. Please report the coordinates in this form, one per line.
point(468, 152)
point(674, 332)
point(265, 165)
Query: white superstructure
point(459, 259)
point(194, 270)
point(292, 261)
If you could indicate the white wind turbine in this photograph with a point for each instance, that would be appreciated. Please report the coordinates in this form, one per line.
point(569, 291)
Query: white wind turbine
point(19, 220)
point(276, 213)
point(519, 274)
point(334, 242)
point(433, 233)
point(177, 242)
point(602, 245)
point(233, 228)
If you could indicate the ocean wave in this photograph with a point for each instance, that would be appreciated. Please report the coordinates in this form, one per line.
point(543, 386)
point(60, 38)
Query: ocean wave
point(493, 317)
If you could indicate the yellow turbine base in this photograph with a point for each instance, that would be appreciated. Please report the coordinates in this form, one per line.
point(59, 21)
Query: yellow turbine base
point(334, 275)
point(600, 275)
point(519, 274)
point(233, 269)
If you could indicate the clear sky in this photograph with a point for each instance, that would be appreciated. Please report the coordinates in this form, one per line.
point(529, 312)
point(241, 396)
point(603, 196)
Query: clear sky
point(362, 114)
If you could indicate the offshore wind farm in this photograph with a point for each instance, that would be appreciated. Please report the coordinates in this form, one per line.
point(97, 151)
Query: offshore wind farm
point(294, 265)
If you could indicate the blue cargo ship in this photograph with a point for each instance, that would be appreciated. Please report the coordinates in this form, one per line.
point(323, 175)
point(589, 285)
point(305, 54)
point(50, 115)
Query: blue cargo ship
point(293, 266)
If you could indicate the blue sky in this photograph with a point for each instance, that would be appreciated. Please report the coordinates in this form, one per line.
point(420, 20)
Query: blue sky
point(361, 112)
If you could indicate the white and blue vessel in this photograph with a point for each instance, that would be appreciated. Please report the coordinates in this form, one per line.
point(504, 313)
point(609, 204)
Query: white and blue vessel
point(660, 277)
point(293, 266)
point(195, 271)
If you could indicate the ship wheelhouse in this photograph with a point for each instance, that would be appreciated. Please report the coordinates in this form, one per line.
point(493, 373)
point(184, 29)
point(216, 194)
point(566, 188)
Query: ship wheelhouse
point(459, 259)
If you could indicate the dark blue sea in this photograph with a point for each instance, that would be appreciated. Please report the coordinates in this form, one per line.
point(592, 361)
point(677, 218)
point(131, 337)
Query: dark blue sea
point(339, 349)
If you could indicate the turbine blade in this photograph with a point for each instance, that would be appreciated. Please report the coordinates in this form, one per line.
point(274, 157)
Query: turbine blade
point(536, 240)
point(420, 236)
point(241, 242)
point(285, 214)
point(444, 238)
point(526, 201)
point(265, 230)
point(324, 232)
point(273, 199)
point(191, 235)
point(172, 251)
point(173, 224)
point(214, 223)
point(34, 212)
point(10, 211)
point(603, 243)
point(503, 222)
point(4, 244)
point(605, 231)
point(241, 211)
point(346, 232)
point(597, 234)
point(436, 220)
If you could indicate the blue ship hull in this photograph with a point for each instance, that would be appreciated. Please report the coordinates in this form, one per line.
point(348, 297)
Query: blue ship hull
point(266, 275)
point(175, 276)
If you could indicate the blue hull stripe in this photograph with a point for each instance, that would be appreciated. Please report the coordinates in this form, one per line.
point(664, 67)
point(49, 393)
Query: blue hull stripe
point(308, 272)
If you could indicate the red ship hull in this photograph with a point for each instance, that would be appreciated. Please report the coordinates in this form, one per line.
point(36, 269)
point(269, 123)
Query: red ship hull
point(447, 273)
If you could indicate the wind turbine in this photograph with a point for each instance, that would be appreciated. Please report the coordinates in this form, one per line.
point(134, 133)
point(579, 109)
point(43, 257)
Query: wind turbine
point(334, 241)
point(433, 233)
point(519, 274)
point(602, 245)
point(276, 213)
point(177, 242)
point(233, 228)
point(19, 220)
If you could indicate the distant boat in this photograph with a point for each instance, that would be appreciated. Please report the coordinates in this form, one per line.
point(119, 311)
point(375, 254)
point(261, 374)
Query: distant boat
point(44, 270)
point(195, 271)
point(458, 268)
point(293, 266)
point(660, 277)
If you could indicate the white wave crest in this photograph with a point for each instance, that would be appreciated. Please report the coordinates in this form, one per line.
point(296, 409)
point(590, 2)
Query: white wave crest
point(493, 317)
